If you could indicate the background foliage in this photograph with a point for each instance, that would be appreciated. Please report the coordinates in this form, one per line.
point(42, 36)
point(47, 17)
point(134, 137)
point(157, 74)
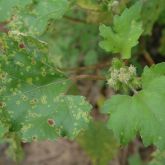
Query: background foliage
point(47, 46)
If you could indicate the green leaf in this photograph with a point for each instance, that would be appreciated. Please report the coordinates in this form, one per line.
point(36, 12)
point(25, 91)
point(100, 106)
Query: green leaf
point(98, 142)
point(152, 73)
point(91, 58)
point(4, 122)
point(162, 44)
point(158, 158)
point(60, 116)
point(125, 32)
point(23, 103)
point(161, 19)
point(150, 13)
point(36, 19)
point(15, 150)
point(142, 113)
point(135, 160)
point(7, 7)
point(29, 16)
point(3, 130)
point(28, 65)
point(34, 92)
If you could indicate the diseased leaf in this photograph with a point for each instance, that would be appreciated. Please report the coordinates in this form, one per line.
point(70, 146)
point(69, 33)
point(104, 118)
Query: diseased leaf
point(35, 19)
point(55, 117)
point(31, 16)
point(4, 123)
point(125, 32)
point(34, 93)
point(7, 8)
point(15, 150)
point(24, 103)
point(143, 113)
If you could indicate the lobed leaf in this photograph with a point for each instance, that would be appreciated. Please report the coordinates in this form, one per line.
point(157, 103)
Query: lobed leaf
point(143, 113)
point(125, 32)
point(34, 92)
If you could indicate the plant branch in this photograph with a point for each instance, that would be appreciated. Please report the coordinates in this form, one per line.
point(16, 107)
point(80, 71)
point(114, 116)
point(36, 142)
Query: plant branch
point(75, 20)
point(91, 67)
point(86, 76)
point(148, 58)
point(88, 9)
point(3, 27)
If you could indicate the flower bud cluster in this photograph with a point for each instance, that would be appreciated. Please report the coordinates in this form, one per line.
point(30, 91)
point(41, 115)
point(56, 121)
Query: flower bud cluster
point(122, 77)
point(114, 6)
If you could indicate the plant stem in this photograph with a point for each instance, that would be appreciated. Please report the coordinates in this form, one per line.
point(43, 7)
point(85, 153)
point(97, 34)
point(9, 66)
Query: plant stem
point(86, 76)
point(91, 67)
point(148, 58)
point(75, 20)
point(132, 88)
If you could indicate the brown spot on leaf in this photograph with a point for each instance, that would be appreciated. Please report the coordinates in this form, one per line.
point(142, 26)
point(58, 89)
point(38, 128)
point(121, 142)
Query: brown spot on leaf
point(22, 45)
point(51, 122)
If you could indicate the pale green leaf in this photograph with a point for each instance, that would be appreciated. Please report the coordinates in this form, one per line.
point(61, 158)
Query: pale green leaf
point(125, 32)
